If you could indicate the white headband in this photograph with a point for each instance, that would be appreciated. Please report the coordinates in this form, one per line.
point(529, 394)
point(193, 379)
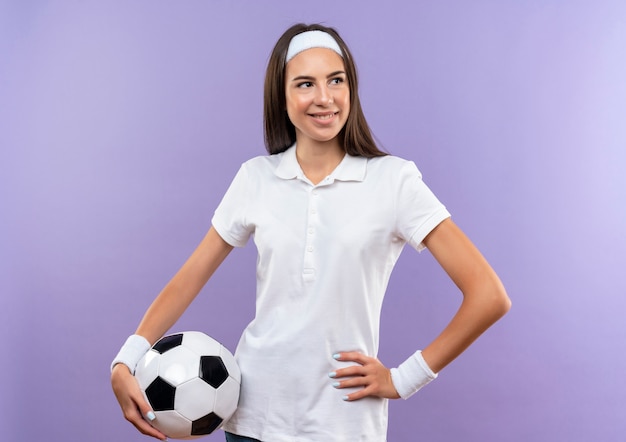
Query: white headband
point(311, 39)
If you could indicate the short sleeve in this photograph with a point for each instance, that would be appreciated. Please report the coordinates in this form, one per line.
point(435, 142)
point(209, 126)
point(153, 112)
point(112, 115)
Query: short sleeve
point(229, 218)
point(418, 209)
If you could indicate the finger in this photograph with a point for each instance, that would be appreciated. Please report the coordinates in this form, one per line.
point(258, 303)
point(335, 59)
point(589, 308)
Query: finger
point(359, 381)
point(147, 416)
point(353, 356)
point(366, 366)
point(355, 370)
point(133, 415)
point(374, 388)
point(360, 394)
point(139, 413)
point(134, 405)
point(144, 407)
point(145, 428)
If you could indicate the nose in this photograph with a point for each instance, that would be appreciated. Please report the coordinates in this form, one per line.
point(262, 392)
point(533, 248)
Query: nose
point(323, 96)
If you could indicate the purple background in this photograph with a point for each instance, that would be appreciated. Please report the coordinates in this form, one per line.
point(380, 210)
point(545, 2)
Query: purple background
point(122, 124)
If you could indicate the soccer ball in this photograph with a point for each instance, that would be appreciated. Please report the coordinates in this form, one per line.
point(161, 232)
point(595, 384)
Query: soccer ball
point(192, 383)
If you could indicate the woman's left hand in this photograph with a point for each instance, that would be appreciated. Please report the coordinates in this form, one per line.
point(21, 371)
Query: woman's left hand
point(370, 374)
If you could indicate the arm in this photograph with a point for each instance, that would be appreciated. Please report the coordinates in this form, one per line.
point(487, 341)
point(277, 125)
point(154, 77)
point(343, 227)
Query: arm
point(184, 286)
point(484, 302)
point(484, 298)
point(160, 316)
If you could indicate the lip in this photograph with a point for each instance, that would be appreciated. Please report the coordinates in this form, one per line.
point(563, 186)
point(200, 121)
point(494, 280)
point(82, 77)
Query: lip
point(324, 117)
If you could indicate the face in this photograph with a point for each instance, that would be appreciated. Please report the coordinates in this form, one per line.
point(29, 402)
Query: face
point(317, 95)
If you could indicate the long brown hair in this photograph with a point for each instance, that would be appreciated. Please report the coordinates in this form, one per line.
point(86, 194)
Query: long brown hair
point(355, 137)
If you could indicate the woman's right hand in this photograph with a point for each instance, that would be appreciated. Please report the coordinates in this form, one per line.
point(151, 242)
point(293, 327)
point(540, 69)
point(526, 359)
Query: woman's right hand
point(162, 314)
point(131, 399)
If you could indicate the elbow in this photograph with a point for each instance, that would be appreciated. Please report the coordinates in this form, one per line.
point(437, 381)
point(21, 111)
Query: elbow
point(504, 304)
point(500, 302)
point(490, 298)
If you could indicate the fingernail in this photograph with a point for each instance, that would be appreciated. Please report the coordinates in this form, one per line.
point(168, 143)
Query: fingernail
point(345, 398)
point(150, 415)
point(336, 384)
point(332, 374)
point(336, 356)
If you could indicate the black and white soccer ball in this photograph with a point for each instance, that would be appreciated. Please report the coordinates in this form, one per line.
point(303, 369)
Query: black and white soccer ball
point(192, 383)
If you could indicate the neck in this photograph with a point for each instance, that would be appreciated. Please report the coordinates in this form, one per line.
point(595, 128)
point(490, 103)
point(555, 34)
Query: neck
point(318, 160)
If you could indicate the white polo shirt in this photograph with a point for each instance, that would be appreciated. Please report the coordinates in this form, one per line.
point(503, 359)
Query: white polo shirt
point(325, 255)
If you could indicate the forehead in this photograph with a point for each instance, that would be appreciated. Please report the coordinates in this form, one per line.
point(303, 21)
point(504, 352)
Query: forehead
point(315, 61)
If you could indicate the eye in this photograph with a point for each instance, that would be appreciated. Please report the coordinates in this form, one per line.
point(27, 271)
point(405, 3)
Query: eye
point(305, 84)
point(337, 80)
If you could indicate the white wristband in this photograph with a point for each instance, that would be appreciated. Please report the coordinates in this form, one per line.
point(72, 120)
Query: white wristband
point(411, 375)
point(131, 352)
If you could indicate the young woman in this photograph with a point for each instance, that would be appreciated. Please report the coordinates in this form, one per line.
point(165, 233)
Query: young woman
point(329, 213)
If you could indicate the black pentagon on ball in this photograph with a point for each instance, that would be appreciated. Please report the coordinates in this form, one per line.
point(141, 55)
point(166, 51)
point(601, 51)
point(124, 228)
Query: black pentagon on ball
point(161, 395)
point(167, 343)
point(205, 425)
point(213, 371)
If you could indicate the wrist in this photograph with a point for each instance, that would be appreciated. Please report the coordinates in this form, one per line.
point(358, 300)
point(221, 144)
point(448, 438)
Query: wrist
point(131, 352)
point(412, 375)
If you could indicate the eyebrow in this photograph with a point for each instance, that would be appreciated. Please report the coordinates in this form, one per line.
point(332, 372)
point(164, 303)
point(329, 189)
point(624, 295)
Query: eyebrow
point(308, 77)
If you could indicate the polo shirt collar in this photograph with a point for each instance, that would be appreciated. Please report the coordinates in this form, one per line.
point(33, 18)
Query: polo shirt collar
point(350, 169)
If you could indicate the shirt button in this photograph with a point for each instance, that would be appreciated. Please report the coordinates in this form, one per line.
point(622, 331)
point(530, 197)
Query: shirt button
point(313, 211)
point(310, 230)
point(310, 248)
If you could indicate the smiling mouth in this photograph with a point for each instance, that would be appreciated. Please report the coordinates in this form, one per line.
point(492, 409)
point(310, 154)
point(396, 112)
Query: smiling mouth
point(323, 116)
